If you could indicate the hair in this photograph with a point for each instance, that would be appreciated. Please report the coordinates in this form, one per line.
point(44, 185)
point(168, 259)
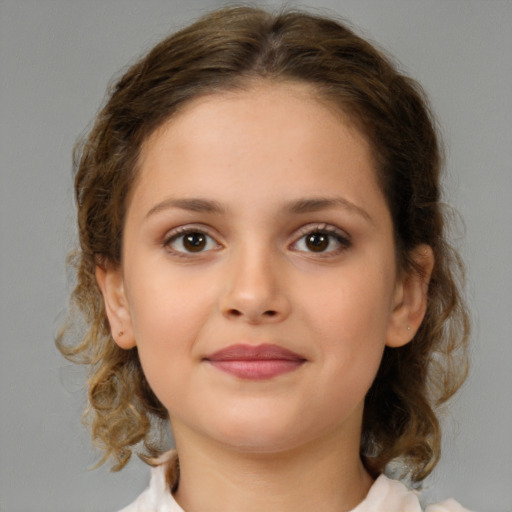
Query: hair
point(229, 49)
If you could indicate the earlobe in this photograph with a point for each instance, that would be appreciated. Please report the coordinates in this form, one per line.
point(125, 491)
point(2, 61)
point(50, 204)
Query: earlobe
point(410, 300)
point(110, 282)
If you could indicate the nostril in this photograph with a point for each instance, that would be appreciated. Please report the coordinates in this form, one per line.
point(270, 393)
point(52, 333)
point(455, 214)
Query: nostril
point(236, 313)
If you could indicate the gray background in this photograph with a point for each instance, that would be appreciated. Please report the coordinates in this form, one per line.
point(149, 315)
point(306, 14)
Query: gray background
point(56, 57)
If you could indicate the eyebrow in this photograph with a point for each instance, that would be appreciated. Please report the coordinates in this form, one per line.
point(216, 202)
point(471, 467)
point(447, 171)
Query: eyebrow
point(299, 206)
point(192, 205)
point(315, 204)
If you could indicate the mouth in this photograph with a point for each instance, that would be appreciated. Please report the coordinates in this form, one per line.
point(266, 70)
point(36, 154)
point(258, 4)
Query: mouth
point(255, 362)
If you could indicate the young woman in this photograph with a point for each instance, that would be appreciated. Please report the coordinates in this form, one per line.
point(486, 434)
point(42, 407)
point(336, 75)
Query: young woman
point(263, 264)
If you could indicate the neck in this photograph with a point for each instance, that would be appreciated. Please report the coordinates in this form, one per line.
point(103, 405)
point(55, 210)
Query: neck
point(325, 475)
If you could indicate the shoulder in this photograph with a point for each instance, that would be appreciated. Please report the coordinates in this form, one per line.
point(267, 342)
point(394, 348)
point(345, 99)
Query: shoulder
point(447, 506)
point(387, 494)
point(157, 497)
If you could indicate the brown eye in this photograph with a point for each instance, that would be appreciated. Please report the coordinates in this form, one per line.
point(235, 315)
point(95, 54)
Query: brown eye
point(317, 242)
point(326, 241)
point(189, 242)
point(194, 242)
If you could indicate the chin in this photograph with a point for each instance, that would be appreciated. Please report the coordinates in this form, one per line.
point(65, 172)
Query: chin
point(261, 435)
point(262, 444)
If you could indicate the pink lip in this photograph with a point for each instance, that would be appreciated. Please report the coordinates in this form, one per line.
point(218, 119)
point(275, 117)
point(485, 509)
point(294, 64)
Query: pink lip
point(255, 362)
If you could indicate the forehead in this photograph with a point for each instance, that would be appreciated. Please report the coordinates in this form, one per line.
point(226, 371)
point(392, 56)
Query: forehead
point(248, 101)
point(268, 134)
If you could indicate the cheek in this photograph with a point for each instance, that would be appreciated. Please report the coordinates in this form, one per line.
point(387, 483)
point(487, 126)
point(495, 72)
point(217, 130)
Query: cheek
point(354, 304)
point(350, 319)
point(166, 322)
point(166, 306)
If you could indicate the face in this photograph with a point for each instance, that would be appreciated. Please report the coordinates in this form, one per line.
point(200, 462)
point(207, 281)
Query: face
point(258, 276)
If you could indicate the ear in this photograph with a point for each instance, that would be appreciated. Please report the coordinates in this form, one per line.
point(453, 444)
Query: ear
point(410, 298)
point(110, 281)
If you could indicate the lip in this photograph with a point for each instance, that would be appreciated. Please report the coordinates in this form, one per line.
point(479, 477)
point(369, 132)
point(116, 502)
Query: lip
point(255, 362)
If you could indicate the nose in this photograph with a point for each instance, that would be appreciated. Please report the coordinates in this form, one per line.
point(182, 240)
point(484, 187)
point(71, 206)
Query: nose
point(255, 290)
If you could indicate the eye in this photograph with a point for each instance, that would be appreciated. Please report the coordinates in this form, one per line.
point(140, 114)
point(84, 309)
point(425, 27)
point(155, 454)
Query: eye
point(321, 240)
point(190, 241)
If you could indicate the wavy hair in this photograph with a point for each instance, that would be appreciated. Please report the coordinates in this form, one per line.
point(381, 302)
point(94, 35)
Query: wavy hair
point(226, 50)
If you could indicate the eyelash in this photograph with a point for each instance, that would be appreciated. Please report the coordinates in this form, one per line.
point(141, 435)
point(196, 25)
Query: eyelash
point(341, 238)
point(332, 233)
point(181, 233)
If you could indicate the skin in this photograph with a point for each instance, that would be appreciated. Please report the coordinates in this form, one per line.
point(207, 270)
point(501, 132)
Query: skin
point(260, 157)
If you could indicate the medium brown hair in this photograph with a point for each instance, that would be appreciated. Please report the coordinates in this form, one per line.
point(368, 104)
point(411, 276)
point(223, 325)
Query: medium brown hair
point(225, 50)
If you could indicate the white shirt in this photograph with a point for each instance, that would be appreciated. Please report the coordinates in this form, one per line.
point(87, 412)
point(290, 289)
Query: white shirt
point(385, 495)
